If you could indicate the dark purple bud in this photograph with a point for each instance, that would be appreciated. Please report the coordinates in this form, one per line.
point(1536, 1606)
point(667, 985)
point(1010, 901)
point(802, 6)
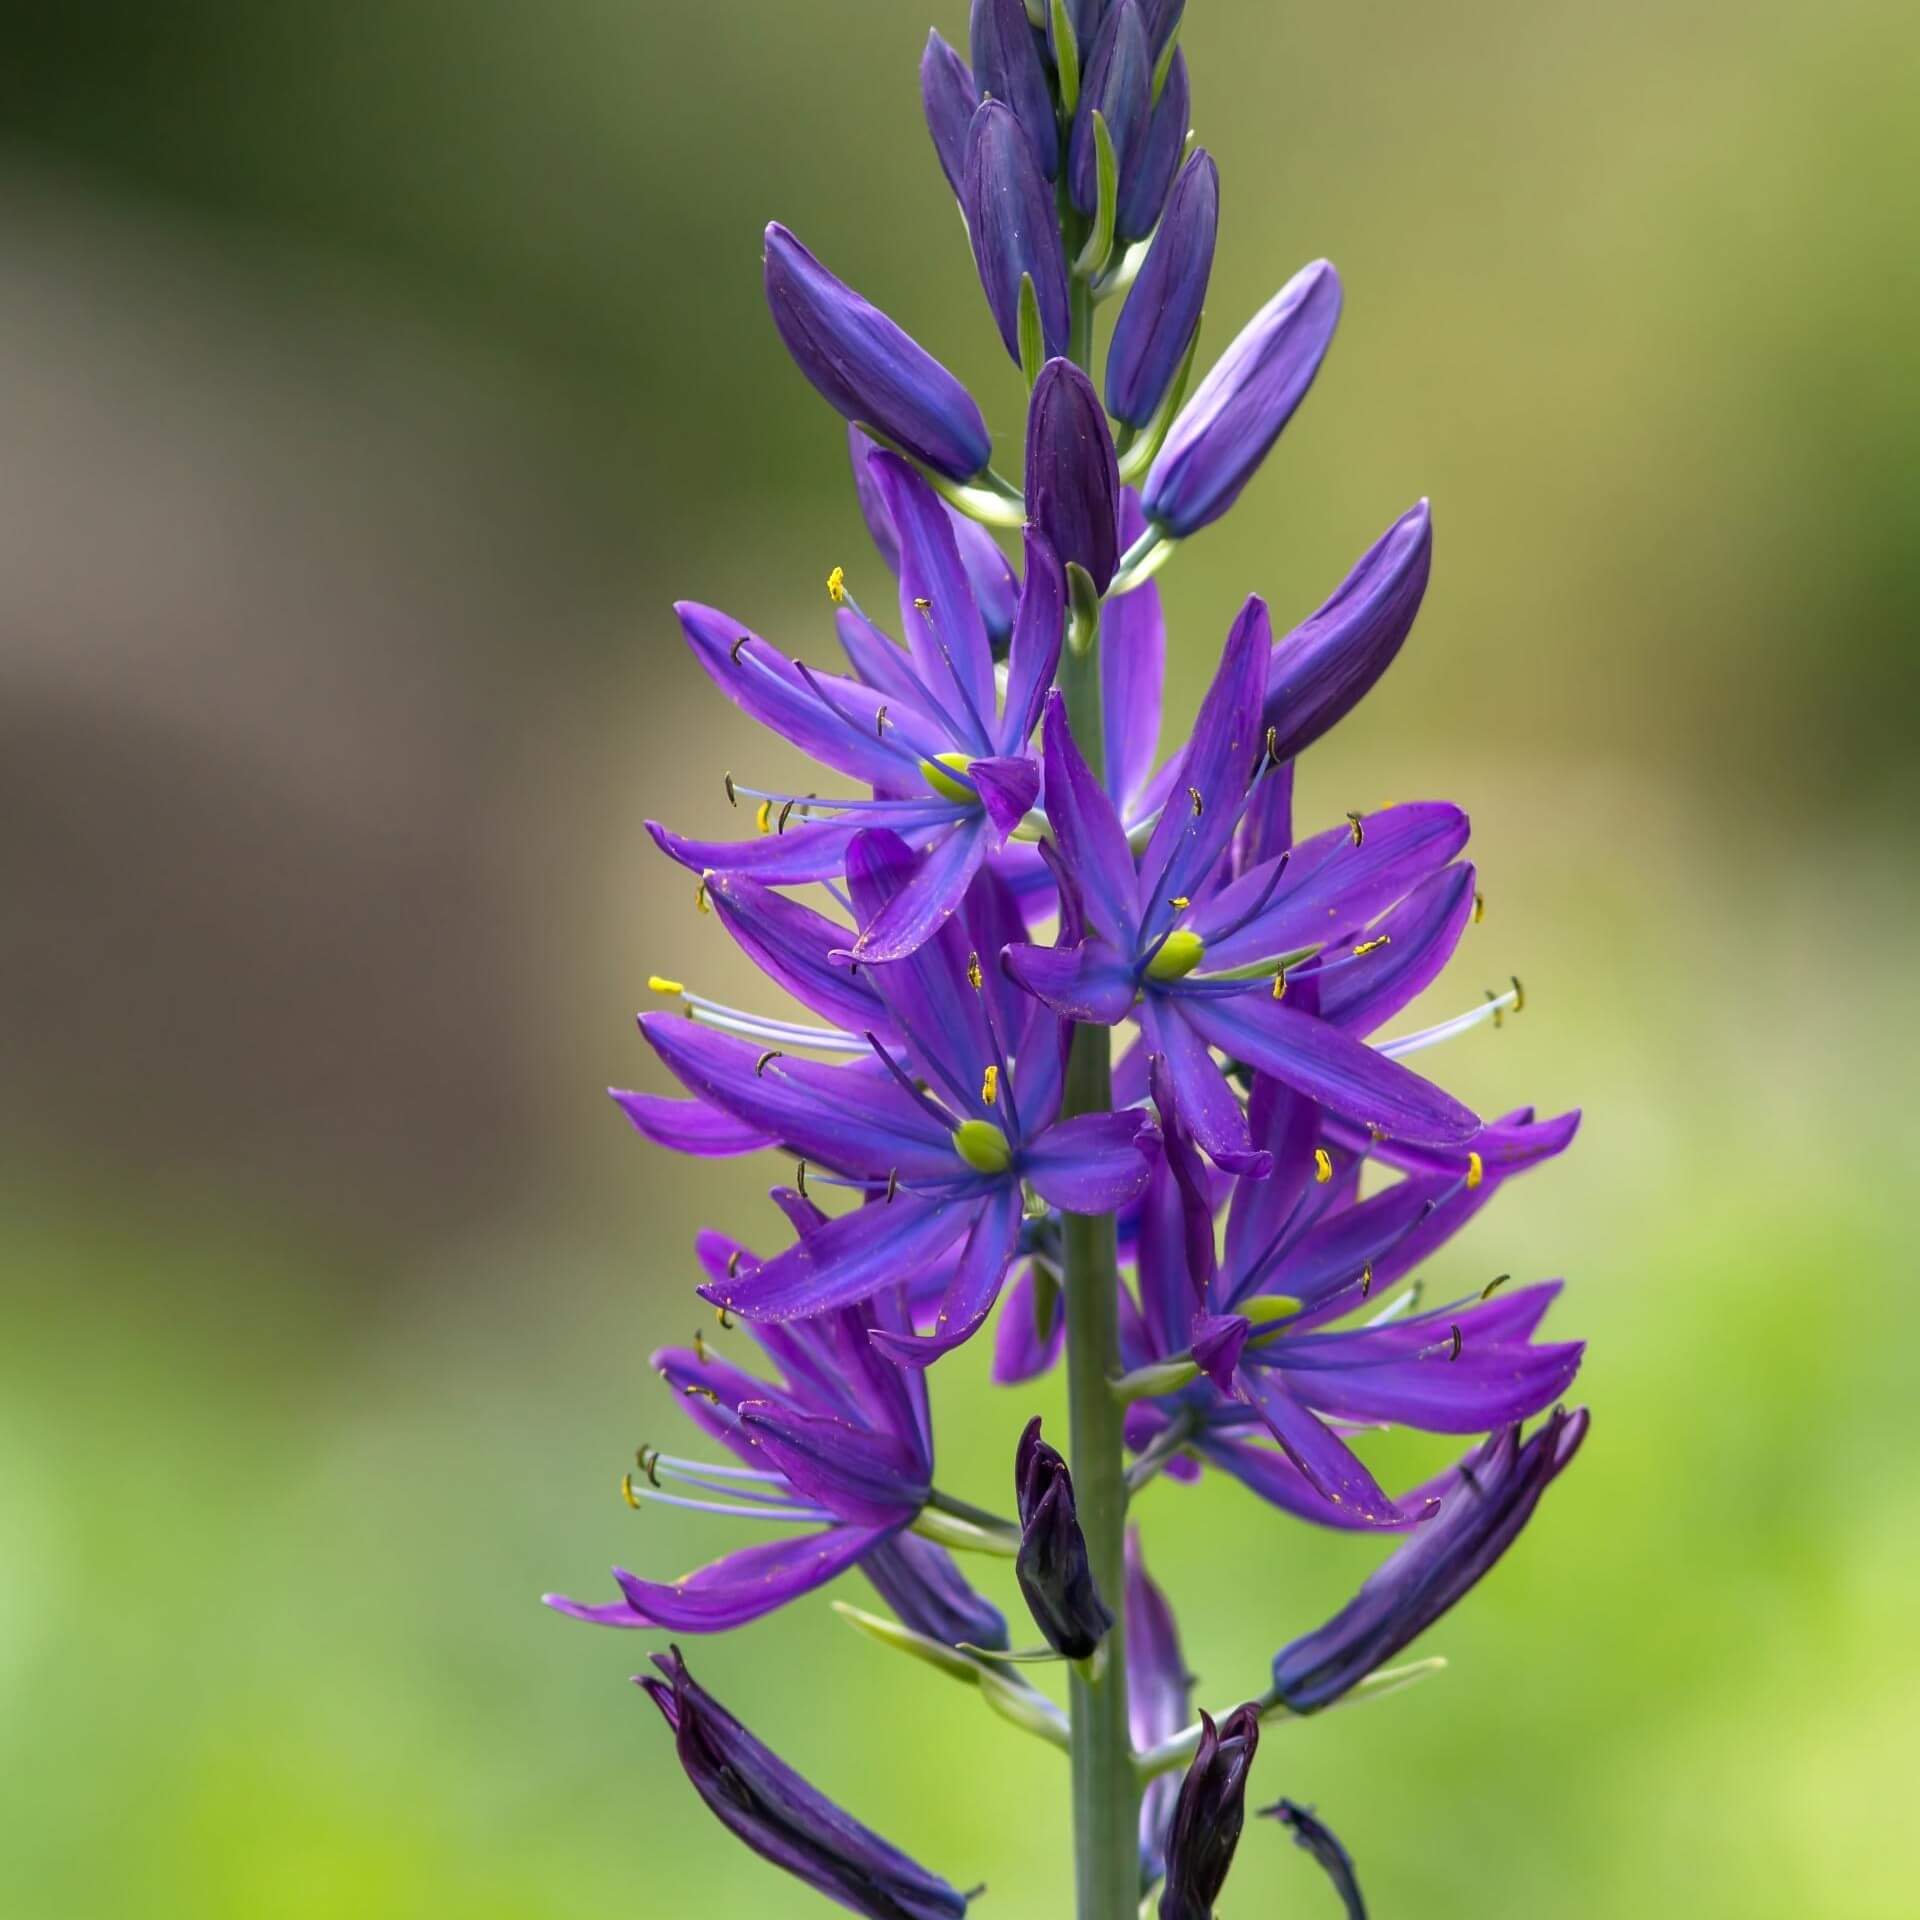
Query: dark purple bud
point(1208, 1817)
point(1052, 1565)
point(1116, 80)
point(1151, 166)
point(1161, 17)
point(928, 1592)
point(759, 1798)
point(867, 368)
point(948, 96)
point(1494, 1496)
point(1010, 214)
point(1073, 479)
point(996, 589)
point(1156, 324)
point(1009, 64)
point(1226, 428)
point(1086, 16)
point(1159, 1699)
point(1319, 1841)
point(1321, 670)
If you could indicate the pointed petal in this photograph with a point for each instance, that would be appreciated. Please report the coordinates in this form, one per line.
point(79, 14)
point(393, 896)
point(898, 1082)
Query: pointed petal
point(1133, 655)
point(1088, 831)
point(1038, 630)
point(1088, 982)
point(1421, 934)
point(1021, 1352)
point(1328, 1463)
point(929, 897)
point(1094, 1163)
point(1007, 787)
point(975, 1286)
point(867, 1478)
point(813, 850)
point(688, 1126)
point(748, 1584)
point(791, 943)
point(1207, 1104)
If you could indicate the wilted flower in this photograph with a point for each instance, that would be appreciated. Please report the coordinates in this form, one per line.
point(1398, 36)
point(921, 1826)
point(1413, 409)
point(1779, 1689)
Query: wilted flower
point(1209, 1814)
point(1318, 1840)
point(1053, 1569)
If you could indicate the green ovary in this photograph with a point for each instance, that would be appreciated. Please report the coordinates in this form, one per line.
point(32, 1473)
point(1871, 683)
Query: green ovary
point(982, 1146)
point(938, 774)
point(1182, 953)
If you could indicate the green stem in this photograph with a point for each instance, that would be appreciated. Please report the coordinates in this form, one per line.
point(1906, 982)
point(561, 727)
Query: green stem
point(1105, 1791)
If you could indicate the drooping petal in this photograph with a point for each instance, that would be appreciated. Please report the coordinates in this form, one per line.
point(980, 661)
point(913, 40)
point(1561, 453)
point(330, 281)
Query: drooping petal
point(1327, 1461)
point(848, 1259)
point(688, 1126)
point(929, 898)
point(744, 1585)
point(1322, 669)
point(1226, 429)
point(1509, 1145)
point(1330, 1066)
point(1207, 1104)
point(1420, 935)
point(866, 368)
point(1318, 1839)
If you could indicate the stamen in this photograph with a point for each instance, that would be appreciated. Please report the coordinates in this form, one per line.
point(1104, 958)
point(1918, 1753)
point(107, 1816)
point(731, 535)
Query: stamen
point(658, 983)
point(1479, 906)
point(700, 1346)
point(921, 604)
point(1476, 1171)
point(744, 640)
point(910, 1087)
point(1357, 823)
point(700, 897)
point(733, 1267)
point(893, 1184)
point(1180, 903)
point(1199, 805)
point(1279, 983)
point(1366, 1280)
point(1498, 1281)
point(1273, 746)
point(766, 1059)
point(647, 1460)
point(1322, 1166)
point(990, 1086)
point(732, 1509)
point(1455, 1354)
point(627, 1493)
point(1373, 946)
point(837, 585)
point(800, 1178)
point(763, 816)
point(1494, 1005)
point(1447, 1029)
point(974, 975)
point(1519, 994)
point(726, 780)
point(786, 814)
point(880, 720)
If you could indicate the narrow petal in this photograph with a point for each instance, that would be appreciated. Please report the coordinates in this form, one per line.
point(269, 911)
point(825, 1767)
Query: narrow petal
point(948, 98)
point(1089, 982)
point(866, 1478)
point(1207, 1104)
point(1133, 654)
point(688, 1126)
point(791, 943)
point(749, 1584)
point(1038, 630)
point(1021, 1350)
point(1329, 1464)
point(974, 1288)
point(1094, 1163)
point(1331, 1067)
point(1088, 830)
point(1267, 1473)
point(1008, 786)
point(813, 850)
point(929, 898)
point(1420, 935)
point(1014, 226)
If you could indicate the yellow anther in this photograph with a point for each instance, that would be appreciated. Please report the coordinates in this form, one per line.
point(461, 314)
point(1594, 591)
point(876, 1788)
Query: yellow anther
point(1199, 805)
point(1273, 745)
point(763, 816)
point(627, 1493)
point(765, 1061)
point(1366, 1280)
point(1322, 1165)
point(974, 975)
point(1479, 906)
point(700, 897)
point(1493, 1000)
point(733, 1263)
point(1519, 994)
point(922, 605)
point(1279, 983)
point(725, 1319)
point(800, 1178)
point(1179, 903)
point(837, 585)
point(1476, 1171)
point(700, 1346)
point(1374, 945)
point(990, 1086)
point(657, 983)
point(1499, 1280)
point(1357, 823)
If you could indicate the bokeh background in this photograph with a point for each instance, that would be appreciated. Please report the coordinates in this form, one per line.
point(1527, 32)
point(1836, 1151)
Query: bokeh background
point(372, 377)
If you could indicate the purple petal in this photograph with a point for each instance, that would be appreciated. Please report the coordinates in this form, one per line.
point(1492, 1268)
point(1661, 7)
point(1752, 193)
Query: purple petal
point(814, 850)
point(1014, 226)
point(1331, 1067)
point(1088, 982)
point(1008, 66)
point(749, 1584)
point(1421, 934)
point(974, 1288)
point(1089, 833)
point(868, 1479)
point(1008, 787)
point(1217, 1341)
point(1038, 629)
point(1329, 1464)
point(1152, 162)
point(1072, 478)
point(791, 943)
point(1507, 1146)
point(1020, 1351)
point(929, 897)
point(688, 1126)
point(1207, 1104)
point(1274, 1478)
point(1156, 324)
point(1133, 652)
point(948, 97)
point(1094, 1163)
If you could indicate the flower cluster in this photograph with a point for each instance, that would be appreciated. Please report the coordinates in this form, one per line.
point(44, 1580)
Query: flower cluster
point(1047, 976)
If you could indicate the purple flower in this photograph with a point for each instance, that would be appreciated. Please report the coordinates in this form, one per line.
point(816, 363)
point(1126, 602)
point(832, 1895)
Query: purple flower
point(1052, 1567)
point(1319, 1840)
point(1156, 324)
point(1159, 1700)
point(948, 98)
point(1008, 65)
point(943, 1133)
point(1492, 1496)
point(1155, 158)
point(1153, 926)
point(1302, 1251)
point(1225, 430)
point(1073, 480)
point(1209, 1814)
point(921, 1583)
point(839, 1442)
point(1320, 671)
point(947, 761)
point(1010, 215)
point(1116, 81)
point(867, 368)
point(759, 1798)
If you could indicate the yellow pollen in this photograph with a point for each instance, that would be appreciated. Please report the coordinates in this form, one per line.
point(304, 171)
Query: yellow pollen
point(1476, 1171)
point(1322, 1165)
point(974, 975)
point(1374, 945)
point(922, 605)
point(990, 1086)
point(1279, 983)
point(656, 983)
point(763, 816)
point(837, 585)
point(1179, 903)
point(1366, 1280)
point(626, 1491)
point(1358, 823)
point(700, 897)
point(1479, 907)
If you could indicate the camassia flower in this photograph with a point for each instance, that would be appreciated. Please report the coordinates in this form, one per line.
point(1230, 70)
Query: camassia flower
point(1303, 1251)
point(945, 1142)
point(839, 1442)
point(946, 757)
point(759, 1798)
point(1204, 965)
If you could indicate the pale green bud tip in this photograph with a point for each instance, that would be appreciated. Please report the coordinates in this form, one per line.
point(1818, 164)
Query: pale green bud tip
point(982, 1146)
point(1182, 953)
point(938, 774)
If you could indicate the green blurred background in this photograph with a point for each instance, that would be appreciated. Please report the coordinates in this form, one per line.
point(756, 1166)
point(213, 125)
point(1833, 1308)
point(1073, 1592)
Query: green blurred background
point(372, 378)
